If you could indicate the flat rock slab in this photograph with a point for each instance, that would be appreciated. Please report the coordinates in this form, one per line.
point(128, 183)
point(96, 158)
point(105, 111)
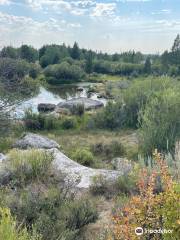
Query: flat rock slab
point(31, 140)
point(88, 103)
point(80, 176)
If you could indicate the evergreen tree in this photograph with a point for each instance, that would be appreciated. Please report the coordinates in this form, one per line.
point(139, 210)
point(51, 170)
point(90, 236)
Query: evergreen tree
point(147, 66)
point(89, 62)
point(75, 53)
point(176, 45)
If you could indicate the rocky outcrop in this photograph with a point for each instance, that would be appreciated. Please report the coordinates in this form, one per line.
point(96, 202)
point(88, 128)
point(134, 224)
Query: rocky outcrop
point(31, 140)
point(89, 104)
point(79, 175)
point(46, 107)
point(75, 174)
point(2, 157)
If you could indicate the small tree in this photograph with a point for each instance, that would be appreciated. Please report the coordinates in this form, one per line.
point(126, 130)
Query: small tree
point(147, 66)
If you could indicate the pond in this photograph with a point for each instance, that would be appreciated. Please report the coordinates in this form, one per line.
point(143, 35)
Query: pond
point(55, 95)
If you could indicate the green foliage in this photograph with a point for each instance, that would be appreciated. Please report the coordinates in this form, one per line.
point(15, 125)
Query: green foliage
point(83, 156)
point(112, 149)
point(29, 165)
point(127, 184)
point(28, 53)
point(12, 70)
point(39, 121)
point(5, 144)
point(139, 93)
point(160, 127)
point(75, 51)
point(112, 116)
point(63, 73)
point(9, 52)
point(9, 229)
point(69, 123)
point(147, 66)
point(55, 214)
point(89, 62)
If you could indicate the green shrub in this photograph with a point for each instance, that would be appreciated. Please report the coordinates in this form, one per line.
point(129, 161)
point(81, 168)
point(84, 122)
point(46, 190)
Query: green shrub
point(9, 229)
point(160, 127)
point(99, 185)
point(39, 121)
point(69, 123)
point(127, 184)
point(102, 186)
point(84, 157)
point(5, 144)
point(112, 149)
point(29, 165)
point(112, 116)
point(55, 214)
point(63, 73)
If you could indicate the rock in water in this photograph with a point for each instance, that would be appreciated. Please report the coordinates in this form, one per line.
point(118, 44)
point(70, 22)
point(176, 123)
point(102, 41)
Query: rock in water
point(46, 107)
point(89, 104)
point(31, 140)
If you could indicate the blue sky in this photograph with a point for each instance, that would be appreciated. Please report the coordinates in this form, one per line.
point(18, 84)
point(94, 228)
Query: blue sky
point(149, 26)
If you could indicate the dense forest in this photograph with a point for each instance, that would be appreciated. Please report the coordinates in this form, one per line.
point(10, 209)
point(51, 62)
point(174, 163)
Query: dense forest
point(133, 137)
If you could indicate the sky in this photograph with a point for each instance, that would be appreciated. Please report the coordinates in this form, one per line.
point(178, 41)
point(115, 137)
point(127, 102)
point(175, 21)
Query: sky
point(149, 26)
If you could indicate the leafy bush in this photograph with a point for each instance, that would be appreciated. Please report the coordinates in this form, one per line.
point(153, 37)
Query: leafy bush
point(148, 209)
point(63, 73)
point(9, 229)
point(84, 157)
point(29, 165)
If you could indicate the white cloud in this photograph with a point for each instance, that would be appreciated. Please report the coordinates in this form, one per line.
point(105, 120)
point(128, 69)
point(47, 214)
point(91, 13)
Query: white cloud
point(4, 2)
point(162, 11)
point(103, 9)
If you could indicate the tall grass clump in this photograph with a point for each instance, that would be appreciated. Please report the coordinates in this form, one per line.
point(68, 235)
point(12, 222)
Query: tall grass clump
point(29, 164)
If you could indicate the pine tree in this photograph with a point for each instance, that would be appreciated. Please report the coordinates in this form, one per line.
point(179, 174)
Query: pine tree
point(75, 53)
point(176, 45)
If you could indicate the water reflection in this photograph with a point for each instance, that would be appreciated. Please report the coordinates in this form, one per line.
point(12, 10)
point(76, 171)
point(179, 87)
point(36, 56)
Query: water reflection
point(53, 95)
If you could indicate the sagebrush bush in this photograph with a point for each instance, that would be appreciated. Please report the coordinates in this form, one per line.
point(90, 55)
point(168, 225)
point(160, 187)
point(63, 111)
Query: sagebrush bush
point(84, 157)
point(55, 214)
point(29, 164)
point(112, 149)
